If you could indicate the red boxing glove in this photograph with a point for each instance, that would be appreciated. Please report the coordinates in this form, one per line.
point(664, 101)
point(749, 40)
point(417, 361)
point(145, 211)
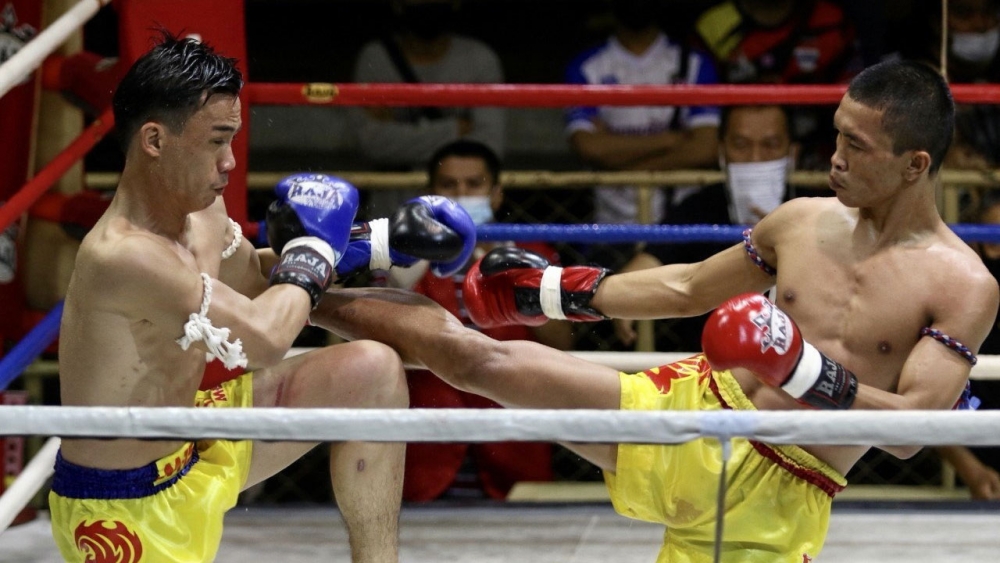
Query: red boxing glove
point(749, 331)
point(514, 286)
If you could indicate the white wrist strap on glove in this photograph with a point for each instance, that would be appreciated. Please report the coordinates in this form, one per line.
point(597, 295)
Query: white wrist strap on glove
point(317, 244)
point(806, 374)
point(550, 293)
point(380, 259)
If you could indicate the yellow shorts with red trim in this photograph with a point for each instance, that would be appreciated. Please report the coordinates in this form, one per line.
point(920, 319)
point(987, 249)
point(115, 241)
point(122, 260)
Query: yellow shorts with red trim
point(168, 510)
point(777, 499)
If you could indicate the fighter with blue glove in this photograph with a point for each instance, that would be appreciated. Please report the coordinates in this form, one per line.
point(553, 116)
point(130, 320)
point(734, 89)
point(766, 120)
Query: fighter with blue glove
point(309, 226)
point(429, 227)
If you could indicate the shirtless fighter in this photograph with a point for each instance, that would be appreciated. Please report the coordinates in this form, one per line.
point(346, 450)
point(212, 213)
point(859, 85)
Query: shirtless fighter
point(165, 279)
point(881, 307)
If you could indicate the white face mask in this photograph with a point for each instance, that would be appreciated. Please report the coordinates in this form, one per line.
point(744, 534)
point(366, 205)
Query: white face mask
point(478, 207)
point(754, 188)
point(976, 47)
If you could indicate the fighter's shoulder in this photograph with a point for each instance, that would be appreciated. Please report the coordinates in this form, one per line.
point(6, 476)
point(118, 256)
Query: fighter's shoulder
point(121, 253)
point(791, 215)
point(961, 264)
point(964, 287)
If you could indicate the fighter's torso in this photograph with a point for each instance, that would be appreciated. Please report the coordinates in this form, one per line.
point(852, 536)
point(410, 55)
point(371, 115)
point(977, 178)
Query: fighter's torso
point(860, 303)
point(111, 357)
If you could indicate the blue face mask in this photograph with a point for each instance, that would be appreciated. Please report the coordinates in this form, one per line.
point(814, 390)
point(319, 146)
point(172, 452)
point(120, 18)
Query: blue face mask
point(478, 207)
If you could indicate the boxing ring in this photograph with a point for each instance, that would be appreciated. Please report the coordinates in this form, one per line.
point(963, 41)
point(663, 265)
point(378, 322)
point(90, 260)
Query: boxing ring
point(579, 532)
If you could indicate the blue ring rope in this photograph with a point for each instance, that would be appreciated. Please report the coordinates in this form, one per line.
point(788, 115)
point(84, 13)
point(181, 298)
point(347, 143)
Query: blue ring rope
point(594, 233)
point(34, 343)
point(665, 233)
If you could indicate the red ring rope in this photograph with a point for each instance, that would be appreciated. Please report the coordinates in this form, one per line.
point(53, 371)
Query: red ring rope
point(30, 192)
point(565, 95)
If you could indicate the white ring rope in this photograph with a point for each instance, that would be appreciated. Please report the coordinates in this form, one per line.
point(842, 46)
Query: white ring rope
point(916, 427)
point(45, 43)
point(31, 479)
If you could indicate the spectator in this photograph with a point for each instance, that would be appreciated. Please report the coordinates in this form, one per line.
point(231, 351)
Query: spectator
point(973, 38)
point(786, 42)
point(756, 151)
point(469, 173)
point(640, 138)
point(425, 49)
point(779, 41)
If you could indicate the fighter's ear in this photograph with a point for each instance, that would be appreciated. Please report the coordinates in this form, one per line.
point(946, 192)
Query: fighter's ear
point(919, 162)
point(151, 136)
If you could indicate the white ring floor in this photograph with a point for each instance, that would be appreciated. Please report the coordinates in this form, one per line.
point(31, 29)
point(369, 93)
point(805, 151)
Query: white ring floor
point(571, 533)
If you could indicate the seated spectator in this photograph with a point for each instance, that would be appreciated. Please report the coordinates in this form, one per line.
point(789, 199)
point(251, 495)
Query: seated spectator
point(469, 173)
point(425, 49)
point(779, 41)
point(757, 154)
point(785, 42)
point(640, 138)
point(973, 40)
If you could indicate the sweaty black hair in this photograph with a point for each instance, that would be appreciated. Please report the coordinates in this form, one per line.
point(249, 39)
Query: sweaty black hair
point(169, 83)
point(918, 112)
point(466, 149)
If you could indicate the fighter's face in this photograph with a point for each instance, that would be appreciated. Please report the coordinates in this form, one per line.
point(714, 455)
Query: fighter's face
point(197, 160)
point(864, 171)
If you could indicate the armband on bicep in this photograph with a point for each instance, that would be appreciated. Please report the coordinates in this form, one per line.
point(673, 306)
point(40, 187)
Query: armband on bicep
point(966, 401)
point(237, 240)
point(199, 328)
point(754, 257)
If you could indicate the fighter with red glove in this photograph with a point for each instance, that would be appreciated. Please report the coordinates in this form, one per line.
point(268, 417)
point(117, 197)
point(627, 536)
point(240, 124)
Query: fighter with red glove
point(748, 331)
point(514, 286)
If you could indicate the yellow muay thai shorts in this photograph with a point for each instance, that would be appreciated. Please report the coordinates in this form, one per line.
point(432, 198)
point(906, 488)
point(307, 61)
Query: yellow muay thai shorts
point(170, 510)
point(777, 500)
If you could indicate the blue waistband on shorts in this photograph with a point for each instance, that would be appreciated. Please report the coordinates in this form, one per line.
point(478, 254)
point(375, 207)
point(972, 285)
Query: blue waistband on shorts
point(76, 481)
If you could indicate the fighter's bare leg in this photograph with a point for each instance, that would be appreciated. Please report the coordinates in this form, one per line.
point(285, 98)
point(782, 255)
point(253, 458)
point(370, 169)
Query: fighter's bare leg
point(513, 373)
point(367, 477)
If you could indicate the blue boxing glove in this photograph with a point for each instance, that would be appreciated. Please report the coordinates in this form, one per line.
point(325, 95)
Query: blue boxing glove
point(314, 205)
point(430, 228)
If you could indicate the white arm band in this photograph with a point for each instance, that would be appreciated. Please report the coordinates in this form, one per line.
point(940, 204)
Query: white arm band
point(237, 240)
point(199, 328)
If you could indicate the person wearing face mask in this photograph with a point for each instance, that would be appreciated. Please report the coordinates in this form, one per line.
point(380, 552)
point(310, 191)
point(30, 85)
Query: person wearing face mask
point(424, 48)
point(785, 42)
point(640, 138)
point(973, 28)
point(468, 172)
point(757, 153)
